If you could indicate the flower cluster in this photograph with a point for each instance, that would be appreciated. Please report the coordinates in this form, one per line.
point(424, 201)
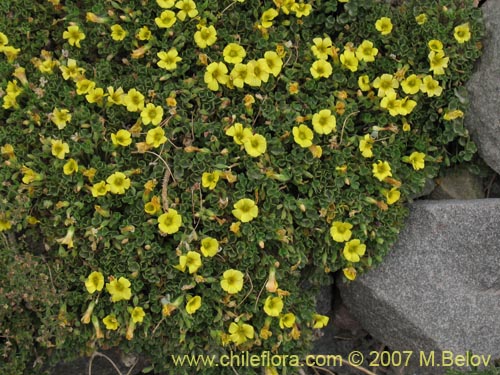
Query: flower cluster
point(212, 158)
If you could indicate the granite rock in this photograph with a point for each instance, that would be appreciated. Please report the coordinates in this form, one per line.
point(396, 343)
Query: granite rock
point(483, 118)
point(458, 183)
point(439, 288)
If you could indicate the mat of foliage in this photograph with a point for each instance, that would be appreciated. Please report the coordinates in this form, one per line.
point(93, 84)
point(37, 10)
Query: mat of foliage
point(179, 176)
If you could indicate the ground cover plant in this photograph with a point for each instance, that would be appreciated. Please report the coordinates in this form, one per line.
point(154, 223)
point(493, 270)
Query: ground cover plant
point(180, 176)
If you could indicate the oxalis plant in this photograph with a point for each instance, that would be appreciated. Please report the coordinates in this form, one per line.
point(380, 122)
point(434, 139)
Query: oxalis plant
point(179, 177)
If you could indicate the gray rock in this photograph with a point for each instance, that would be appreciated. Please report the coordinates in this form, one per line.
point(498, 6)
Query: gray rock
point(439, 288)
point(483, 118)
point(324, 299)
point(458, 183)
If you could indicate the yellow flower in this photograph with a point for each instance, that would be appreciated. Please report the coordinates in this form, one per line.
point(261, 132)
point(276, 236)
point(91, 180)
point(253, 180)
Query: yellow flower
point(87, 315)
point(273, 306)
point(234, 53)
point(416, 159)
point(170, 222)
point(381, 170)
point(209, 179)
point(121, 138)
point(435, 45)
point(321, 69)
point(421, 18)
point(3, 40)
point(430, 87)
point(366, 51)
point(385, 84)
point(267, 17)
point(119, 289)
point(406, 126)
point(192, 260)
point(156, 137)
point(302, 135)
point(60, 117)
point(257, 72)
point(316, 151)
point(7, 150)
point(167, 19)
point(83, 86)
point(165, 4)
point(452, 115)
point(74, 35)
point(216, 73)
point(193, 304)
point(95, 95)
point(47, 66)
point(340, 231)
point(144, 33)
point(384, 25)
point(169, 307)
point(365, 146)
point(462, 33)
point(239, 134)
point(168, 60)
point(238, 75)
point(137, 314)
point(287, 320)
point(29, 175)
point(71, 70)
point(100, 189)
point(20, 74)
point(171, 102)
point(392, 196)
point(134, 100)
point(205, 36)
point(293, 88)
point(406, 106)
point(92, 17)
point(248, 100)
point(350, 273)
point(153, 206)
point(110, 322)
point(118, 33)
point(59, 148)
point(438, 62)
point(274, 62)
point(255, 145)
point(9, 101)
point(187, 8)
point(232, 281)
point(152, 114)
point(354, 250)
point(390, 103)
point(320, 321)
point(349, 60)
point(70, 167)
point(241, 332)
point(68, 238)
point(324, 122)
point(245, 210)
point(10, 52)
point(322, 48)
point(118, 183)
point(94, 282)
point(209, 247)
point(301, 9)
point(411, 85)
